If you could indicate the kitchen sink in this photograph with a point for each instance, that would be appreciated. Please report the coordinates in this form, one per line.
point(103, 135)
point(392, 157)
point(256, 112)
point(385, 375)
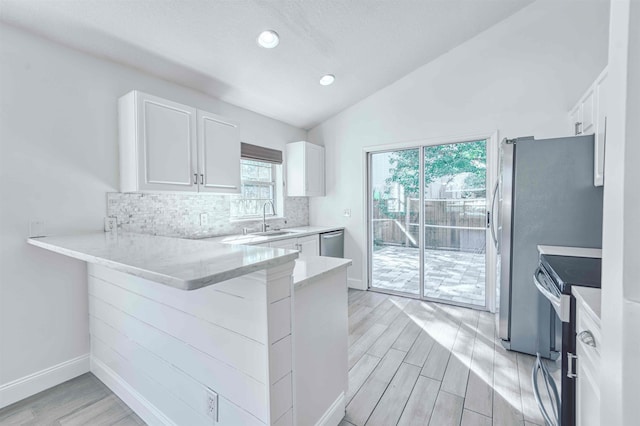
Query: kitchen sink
point(272, 233)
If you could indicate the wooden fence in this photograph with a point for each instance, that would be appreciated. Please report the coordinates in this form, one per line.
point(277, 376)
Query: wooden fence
point(450, 224)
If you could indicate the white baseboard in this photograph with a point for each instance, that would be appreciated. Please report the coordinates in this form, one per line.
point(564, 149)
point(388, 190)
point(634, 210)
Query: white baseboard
point(27, 386)
point(334, 415)
point(138, 403)
point(357, 284)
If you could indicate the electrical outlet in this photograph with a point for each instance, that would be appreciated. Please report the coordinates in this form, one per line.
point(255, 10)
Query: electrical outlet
point(211, 406)
point(37, 228)
point(347, 213)
point(110, 224)
point(204, 219)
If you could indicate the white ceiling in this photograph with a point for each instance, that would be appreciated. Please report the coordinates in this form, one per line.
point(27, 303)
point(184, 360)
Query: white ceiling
point(210, 45)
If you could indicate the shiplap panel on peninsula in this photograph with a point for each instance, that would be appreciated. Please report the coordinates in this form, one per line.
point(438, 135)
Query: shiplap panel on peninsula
point(185, 342)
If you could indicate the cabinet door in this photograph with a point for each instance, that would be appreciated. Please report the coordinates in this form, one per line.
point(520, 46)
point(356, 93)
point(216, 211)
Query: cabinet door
point(309, 246)
point(289, 244)
point(600, 130)
point(166, 134)
point(295, 169)
point(219, 154)
point(588, 113)
point(587, 387)
point(314, 170)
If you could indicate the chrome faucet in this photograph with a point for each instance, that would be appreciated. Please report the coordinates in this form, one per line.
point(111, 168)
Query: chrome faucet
point(264, 215)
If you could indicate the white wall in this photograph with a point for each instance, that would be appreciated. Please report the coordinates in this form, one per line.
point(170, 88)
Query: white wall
point(620, 379)
point(58, 158)
point(519, 77)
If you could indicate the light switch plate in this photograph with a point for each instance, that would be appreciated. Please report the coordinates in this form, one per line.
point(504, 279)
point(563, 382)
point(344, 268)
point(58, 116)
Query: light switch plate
point(204, 219)
point(347, 213)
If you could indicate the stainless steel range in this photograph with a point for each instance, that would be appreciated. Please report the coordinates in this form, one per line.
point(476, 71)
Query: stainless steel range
point(559, 269)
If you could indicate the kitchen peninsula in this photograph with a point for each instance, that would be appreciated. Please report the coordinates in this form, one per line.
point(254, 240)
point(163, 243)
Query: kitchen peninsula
point(178, 323)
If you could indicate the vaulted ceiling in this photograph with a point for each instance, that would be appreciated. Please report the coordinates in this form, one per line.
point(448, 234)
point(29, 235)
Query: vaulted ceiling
point(210, 45)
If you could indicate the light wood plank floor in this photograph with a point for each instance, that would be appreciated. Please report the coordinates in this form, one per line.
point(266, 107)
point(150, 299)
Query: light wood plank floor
point(423, 363)
point(84, 400)
point(411, 363)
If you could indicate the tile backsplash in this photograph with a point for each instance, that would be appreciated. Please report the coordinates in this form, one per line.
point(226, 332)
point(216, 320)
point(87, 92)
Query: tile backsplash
point(178, 215)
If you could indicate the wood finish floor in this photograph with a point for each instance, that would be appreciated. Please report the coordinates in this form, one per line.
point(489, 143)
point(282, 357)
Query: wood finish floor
point(84, 400)
point(421, 363)
point(411, 363)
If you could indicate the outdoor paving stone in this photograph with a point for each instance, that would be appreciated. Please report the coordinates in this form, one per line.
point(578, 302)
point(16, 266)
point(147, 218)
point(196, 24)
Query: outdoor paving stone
point(449, 275)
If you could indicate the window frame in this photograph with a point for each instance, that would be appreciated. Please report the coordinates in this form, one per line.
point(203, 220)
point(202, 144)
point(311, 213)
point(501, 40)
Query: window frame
point(272, 184)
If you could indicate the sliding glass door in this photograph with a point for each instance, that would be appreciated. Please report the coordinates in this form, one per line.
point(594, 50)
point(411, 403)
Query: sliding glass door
point(395, 217)
point(441, 190)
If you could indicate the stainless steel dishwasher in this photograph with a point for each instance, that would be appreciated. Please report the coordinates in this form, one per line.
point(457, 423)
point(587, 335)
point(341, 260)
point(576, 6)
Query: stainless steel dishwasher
point(332, 244)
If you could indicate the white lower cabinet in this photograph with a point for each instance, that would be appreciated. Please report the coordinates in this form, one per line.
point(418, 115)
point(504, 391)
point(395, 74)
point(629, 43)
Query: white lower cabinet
point(289, 244)
point(307, 246)
point(587, 366)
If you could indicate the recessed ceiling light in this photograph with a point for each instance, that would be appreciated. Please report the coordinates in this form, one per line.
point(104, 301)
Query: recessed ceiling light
point(268, 39)
point(327, 79)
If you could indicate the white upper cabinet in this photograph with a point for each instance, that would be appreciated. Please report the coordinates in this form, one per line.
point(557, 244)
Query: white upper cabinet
point(218, 154)
point(590, 116)
point(305, 169)
point(157, 144)
point(167, 146)
point(600, 128)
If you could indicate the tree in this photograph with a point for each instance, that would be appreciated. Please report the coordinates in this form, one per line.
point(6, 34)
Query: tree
point(440, 161)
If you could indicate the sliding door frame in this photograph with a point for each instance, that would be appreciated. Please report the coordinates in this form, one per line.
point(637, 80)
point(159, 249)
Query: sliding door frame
point(492, 147)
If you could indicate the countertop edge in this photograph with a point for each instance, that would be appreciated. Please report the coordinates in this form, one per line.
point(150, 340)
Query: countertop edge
point(163, 279)
point(268, 239)
point(132, 270)
point(586, 295)
point(299, 283)
point(569, 251)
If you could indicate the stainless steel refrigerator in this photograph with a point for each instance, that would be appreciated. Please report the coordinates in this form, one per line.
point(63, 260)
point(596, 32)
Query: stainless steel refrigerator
point(546, 196)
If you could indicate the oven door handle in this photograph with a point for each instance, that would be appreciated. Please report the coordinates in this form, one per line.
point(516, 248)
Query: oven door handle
point(544, 289)
point(555, 299)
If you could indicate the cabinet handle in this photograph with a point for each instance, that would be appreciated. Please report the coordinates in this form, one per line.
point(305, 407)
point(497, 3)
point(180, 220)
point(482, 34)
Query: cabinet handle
point(201, 179)
point(195, 178)
point(578, 127)
point(587, 338)
point(570, 358)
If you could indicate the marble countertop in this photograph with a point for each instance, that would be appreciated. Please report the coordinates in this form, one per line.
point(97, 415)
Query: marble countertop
point(251, 239)
point(309, 269)
point(591, 298)
point(180, 263)
point(569, 251)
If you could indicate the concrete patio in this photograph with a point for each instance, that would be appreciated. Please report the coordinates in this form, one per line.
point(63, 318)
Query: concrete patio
point(449, 275)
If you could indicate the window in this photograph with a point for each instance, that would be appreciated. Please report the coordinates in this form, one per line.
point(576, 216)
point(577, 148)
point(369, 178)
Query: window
point(258, 181)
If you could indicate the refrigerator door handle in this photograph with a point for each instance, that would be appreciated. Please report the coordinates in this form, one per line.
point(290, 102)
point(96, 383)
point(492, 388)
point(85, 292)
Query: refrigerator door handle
point(493, 214)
